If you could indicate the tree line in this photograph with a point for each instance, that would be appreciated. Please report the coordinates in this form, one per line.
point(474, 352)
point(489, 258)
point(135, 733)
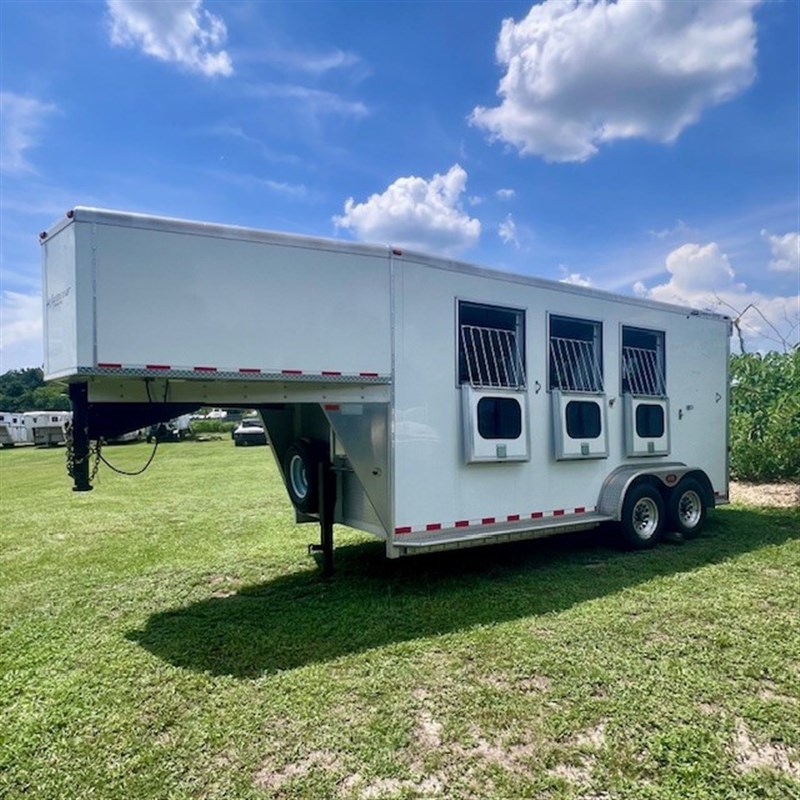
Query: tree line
point(25, 390)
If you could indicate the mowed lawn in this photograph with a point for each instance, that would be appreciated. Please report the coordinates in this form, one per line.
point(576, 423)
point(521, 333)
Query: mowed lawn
point(168, 636)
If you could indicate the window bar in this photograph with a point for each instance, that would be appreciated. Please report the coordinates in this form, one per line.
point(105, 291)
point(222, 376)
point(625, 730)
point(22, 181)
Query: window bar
point(502, 341)
point(651, 378)
point(492, 367)
point(583, 366)
point(485, 369)
point(505, 356)
point(469, 349)
point(503, 377)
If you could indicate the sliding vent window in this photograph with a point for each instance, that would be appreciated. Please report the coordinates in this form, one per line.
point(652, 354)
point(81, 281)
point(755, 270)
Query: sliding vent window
point(491, 346)
point(644, 390)
point(649, 421)
point(584, 420)
point(575, 355)
point(499, 418)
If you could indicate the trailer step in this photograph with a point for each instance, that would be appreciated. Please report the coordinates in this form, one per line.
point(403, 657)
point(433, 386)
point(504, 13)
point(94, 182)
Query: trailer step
point(499, 532)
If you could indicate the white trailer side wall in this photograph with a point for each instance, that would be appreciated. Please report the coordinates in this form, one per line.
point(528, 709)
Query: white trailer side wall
point(434, 485)
point(188, 296)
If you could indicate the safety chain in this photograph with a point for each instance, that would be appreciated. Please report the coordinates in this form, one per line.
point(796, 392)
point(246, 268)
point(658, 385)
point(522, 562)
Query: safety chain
point(73, 462)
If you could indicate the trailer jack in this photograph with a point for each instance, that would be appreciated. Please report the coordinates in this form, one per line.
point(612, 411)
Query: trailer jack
point(78, 438)
point(327, 504)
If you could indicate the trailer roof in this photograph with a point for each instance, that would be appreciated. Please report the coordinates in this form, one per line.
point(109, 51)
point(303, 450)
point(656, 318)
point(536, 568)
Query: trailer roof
point(215, 230)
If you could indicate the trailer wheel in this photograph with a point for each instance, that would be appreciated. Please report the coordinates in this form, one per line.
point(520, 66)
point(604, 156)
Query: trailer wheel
point(686, 511)
point(301, 467)
point(642, 520)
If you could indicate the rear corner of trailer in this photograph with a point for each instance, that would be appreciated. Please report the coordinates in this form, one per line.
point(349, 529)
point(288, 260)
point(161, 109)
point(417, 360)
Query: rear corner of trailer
point(67, 301)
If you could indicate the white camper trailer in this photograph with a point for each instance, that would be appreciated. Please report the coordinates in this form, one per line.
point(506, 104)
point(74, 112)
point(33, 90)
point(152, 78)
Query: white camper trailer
point(432, 403)
point(14, 429)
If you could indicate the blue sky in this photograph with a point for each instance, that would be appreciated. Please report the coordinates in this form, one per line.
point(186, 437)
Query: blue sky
point(643, 147)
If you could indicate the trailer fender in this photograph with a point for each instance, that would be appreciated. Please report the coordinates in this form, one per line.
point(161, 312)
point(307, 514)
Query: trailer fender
point(665, 476)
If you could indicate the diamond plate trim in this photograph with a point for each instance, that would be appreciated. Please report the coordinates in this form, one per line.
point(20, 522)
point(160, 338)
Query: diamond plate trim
point(220, 375)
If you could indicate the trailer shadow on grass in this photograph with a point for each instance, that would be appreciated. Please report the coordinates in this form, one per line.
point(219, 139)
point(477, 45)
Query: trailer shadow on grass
point(302, 619)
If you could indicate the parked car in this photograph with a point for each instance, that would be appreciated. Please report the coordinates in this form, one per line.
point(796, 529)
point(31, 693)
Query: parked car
point(249, 431)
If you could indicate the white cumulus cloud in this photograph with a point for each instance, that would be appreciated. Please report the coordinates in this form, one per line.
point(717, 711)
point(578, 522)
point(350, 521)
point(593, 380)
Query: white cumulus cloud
point(507, 231)
point(785, 251)
point(21, 122)
point(701, 276)
point(20, 330)
point(416, 213)
point(176, 31)
point(581, 73)
point(574, 278)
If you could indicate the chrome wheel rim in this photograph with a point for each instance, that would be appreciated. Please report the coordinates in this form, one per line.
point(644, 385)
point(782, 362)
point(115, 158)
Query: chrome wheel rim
point(645, 518)
point(298, 477)
point(690, 509)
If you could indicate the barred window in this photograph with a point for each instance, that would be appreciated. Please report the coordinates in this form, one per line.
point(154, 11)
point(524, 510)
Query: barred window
point(491, 346)
point(643, 363)
point(575, 355)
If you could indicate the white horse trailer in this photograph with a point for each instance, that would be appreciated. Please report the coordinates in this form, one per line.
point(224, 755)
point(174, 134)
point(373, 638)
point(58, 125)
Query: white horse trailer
point(432, 403)
point(14, 429)
point(47, 428)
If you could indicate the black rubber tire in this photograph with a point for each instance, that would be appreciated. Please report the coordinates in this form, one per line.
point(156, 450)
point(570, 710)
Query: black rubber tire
point(643, 517)
point(686, 508)
point(301, 468)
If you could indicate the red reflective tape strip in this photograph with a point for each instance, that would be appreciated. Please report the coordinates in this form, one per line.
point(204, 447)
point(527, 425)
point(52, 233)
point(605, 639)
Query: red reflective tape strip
point(332, 407)
point(580, 510)
point(433, 526)
point(330, 372)
point(537, 515)
point(406, 529)
point(462, 523)
point(291, 372)
point(368, 374)
point(205, 369)
point(559, 512)
point(488, 521)
point(250, 370)
point(513, 518)
point(157, 366)
point(106, 365)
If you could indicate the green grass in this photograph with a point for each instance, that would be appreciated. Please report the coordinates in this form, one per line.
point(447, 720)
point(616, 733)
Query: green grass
point(168, 637)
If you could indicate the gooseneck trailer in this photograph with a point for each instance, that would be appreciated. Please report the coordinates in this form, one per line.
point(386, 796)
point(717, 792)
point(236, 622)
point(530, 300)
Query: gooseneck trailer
point(432, 403)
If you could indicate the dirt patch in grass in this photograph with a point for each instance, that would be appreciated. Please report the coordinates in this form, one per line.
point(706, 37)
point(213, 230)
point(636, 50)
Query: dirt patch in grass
point(392, 787)
point(537, 684)
point(770, 693)
point(780, 495)
point(750, 755)
point(268, 777)
point(579, 769)
point(429, 731)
